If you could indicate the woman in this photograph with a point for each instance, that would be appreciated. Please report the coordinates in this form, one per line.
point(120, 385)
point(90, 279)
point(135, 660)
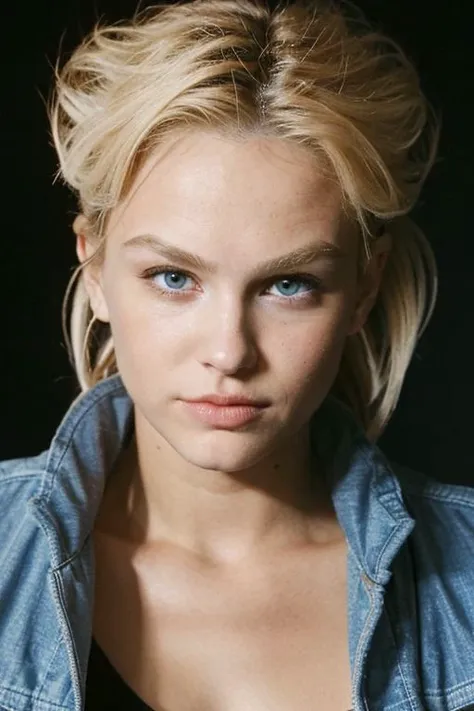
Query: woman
point(213, 526)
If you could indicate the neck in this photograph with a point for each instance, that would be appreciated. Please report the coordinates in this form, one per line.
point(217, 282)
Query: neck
point(281, 502)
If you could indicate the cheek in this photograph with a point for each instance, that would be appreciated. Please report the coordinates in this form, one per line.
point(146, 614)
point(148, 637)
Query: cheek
point(308, 354)
point(144, 335)
point(321, 333)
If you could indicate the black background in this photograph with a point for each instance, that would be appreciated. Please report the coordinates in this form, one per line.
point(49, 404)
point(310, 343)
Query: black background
point(432, 427)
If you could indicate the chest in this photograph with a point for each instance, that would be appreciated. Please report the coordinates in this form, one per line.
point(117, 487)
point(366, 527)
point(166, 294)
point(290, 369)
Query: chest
point(185, 638)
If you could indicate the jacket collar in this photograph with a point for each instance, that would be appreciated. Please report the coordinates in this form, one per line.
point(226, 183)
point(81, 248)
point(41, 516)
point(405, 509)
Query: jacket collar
point(84, 449)
point(366, 494)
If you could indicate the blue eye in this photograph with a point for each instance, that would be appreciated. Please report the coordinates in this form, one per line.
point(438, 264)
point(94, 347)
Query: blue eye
point(295, 286)
point(171, 280)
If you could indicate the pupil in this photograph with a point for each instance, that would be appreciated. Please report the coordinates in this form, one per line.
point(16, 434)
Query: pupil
point(288, 286)
point(174, 279)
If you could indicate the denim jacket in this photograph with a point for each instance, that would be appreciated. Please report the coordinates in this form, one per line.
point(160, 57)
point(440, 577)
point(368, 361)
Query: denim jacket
point(410, 564)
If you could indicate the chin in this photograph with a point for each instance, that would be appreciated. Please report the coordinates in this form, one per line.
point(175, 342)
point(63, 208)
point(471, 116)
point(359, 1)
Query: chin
point(224, 451)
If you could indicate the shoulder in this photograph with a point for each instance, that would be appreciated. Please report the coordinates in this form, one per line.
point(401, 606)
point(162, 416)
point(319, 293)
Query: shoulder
point(20, 481)
point(22, 471)
point(442, 540)
point(435, 579)
point(424, 495)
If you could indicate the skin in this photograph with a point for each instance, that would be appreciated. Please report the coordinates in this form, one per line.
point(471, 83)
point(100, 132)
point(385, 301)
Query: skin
point(227, 494)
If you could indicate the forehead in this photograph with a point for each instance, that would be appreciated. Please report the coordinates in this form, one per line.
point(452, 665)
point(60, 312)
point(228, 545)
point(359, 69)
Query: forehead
point(206, 184)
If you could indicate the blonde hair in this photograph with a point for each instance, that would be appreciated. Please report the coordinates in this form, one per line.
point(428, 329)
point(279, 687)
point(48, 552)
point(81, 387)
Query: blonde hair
point(306, 72)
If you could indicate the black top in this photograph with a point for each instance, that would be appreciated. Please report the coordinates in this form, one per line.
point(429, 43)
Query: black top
point(105, 688)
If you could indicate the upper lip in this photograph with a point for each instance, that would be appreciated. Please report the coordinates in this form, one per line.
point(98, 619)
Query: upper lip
point(228, 400)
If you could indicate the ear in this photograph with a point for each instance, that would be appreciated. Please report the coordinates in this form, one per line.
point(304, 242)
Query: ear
point(92, 272)
point(369, 282)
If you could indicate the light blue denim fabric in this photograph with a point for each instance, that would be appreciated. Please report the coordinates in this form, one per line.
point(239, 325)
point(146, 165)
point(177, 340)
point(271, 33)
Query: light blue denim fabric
point(410, 565)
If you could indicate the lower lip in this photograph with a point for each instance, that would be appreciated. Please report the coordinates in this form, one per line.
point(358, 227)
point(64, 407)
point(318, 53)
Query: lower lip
point(223, 416)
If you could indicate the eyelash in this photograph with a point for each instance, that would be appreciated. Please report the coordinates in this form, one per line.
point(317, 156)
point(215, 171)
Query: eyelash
point(308, 280)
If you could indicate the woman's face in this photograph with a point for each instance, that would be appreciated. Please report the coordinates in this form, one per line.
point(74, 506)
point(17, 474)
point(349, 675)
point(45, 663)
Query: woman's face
point(230, 271)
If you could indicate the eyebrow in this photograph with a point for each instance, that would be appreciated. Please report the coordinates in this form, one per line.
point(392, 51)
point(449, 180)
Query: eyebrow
point(292, 260)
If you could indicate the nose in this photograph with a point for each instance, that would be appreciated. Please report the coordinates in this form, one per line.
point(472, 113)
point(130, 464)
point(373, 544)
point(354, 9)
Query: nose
point(228, 344)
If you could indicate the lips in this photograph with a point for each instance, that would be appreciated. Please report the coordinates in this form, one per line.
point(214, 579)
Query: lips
point(224, 411)
point(228, 400)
